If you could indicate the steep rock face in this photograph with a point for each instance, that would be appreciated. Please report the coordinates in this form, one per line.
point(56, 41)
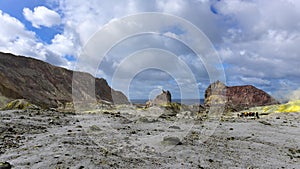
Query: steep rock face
point(161, 99)
point(47, 85)
point(237, 97)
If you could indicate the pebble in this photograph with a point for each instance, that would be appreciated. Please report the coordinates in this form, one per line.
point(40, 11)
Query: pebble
point(133, 132)
point(265, 123)
point(95, 128)
point(172, 140)
point(174, 127)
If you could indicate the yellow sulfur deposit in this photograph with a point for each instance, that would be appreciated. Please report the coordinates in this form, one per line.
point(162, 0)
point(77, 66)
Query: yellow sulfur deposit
point(292, 106)
point(20, 104)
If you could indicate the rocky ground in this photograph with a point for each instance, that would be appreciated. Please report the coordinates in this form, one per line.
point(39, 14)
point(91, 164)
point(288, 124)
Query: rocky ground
point(122, 139)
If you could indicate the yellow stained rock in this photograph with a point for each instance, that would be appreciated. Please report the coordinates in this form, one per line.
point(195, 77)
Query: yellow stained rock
point(20, 104)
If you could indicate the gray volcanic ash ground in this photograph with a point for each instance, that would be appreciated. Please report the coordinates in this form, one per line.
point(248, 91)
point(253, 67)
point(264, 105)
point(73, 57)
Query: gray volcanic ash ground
point(122, 139)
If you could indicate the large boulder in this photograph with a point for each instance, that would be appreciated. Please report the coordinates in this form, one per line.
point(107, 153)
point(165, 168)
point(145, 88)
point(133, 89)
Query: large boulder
point(50, 86)
point(236, 98)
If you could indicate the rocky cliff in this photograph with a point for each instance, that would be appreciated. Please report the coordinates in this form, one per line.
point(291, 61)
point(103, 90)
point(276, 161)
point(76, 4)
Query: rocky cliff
point(161, 99)
point(237, 97)
point(47, 85)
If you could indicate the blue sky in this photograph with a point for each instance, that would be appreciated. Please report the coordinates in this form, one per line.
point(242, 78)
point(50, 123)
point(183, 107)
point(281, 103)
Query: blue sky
point(257, 41)
point(15, 9)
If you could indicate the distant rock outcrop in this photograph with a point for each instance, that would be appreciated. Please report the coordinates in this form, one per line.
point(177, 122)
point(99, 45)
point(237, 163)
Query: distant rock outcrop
point(236, 97)
point(49, 86)
point(161, 99)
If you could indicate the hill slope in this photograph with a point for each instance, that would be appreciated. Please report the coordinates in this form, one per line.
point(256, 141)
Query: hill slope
point(47, 85)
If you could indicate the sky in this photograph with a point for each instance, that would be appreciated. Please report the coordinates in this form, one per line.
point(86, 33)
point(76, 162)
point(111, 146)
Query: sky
point(256, 42)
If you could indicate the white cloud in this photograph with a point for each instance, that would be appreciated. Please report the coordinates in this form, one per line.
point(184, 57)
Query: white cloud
point(84, 18)
point(98, 14)
point(257, 40)
point(261, 42)
point(170, 6)
point(254, 80)
point(12, 29)
point(63, 45)
point(14, 37)
point(42, 16)
point(17, 40)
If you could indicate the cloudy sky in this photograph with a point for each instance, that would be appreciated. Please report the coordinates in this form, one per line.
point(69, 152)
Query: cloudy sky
point(257, 42)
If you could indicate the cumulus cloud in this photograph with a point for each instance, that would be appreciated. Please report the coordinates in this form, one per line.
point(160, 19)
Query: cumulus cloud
point(171, 6)
point(257, 40)
point(11, 28)
point(260, 42)
point(42, 16)
point(63, 45)
point(17, 40)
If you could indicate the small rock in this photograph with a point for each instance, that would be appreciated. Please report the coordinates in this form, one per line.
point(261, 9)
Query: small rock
point(5, 165)
point(200, 167)
point(10, 129)
point(147, 120)
point(230, 138)
point(106, 112)
point(133, 132)
point(171, 140)
point(230, 128)
point(210, 160)
point(265, 123)
point(95, 128)
point(174, 127)
point(52, 109)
